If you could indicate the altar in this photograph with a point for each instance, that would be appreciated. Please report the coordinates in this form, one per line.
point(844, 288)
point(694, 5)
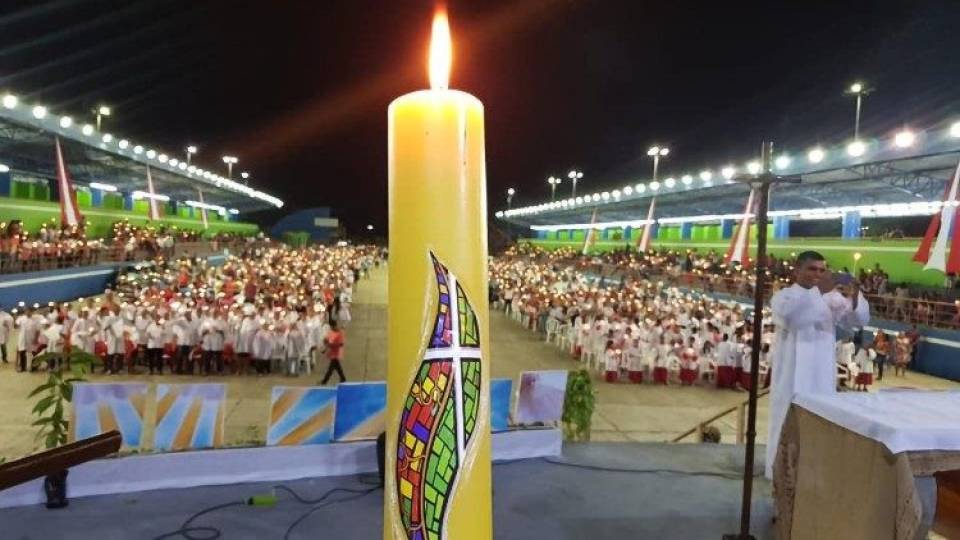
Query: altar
point(867, 465)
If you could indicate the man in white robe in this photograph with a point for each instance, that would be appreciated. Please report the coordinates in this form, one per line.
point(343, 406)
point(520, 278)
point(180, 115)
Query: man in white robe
point(806, 315)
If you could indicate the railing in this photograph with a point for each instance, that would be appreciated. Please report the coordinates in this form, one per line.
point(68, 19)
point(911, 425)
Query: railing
point(741, 410)
point(43, 258)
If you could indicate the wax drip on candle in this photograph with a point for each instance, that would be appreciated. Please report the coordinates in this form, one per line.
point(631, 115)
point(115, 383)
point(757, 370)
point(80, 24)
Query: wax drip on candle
point(441, 52)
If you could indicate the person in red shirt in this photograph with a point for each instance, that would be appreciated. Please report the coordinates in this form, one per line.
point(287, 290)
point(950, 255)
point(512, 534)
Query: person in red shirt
point(334, 342)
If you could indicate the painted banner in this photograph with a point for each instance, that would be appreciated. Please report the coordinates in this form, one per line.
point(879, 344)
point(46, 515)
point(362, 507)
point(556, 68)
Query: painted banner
point(541, 396)
point(301, 415)
point(190, 416)
point(102, 407)
point(500, 390)
point(360, 411)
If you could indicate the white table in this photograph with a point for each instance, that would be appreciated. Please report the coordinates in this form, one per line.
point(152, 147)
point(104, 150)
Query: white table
point(861, 465)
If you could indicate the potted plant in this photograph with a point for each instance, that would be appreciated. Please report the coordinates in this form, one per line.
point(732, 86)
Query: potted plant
point(578, 406)
point(52, 398)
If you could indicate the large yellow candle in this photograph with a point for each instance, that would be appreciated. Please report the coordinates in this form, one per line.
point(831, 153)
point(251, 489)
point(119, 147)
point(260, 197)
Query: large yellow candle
point(438, 373)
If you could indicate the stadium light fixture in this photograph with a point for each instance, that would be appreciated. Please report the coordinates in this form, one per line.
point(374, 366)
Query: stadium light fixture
point(706, 176)
point(628, 190)
point(955, 130)
point(782, 162)
point(103, 187)
point(904, 139)
point(816, 155)
point(605, 195)
point(151, 154)
point(39, 112)
point(728, 172)
point(641, 188)
point(66, 122)
point(669, 182)
point(162, 158)
point(174, 162)
point(654, 186)
point(657, 152)
point(245, 175)
point(101, 111)
point(230, 161)
point(616, 194)
point(856, 148)
point(10, 101)
point(87, 130)
point(596, 197)
point(686, 179)
point(182, 165)
point(123, 144)
point(107, 137)
point(138, 149)
point(4, 168)
point(191, 169)
point(574, 175)
point(858, 89)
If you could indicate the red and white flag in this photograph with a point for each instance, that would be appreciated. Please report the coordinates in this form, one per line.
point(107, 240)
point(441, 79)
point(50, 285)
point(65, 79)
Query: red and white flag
point(69, 211)
point(643, 244)
point(940, 247)
point(739, 250)
point(154, 203)
point(203, 211)
point(591, 237)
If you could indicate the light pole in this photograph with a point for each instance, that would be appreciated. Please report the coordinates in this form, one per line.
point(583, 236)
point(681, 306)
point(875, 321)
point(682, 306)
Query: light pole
point(510, 193)
point(575, 175)
point(101, 111)
point(859, 90)
point(191, 150)
point(554, 182)
point(656, 152)
point(230, 161)
point(246, 178)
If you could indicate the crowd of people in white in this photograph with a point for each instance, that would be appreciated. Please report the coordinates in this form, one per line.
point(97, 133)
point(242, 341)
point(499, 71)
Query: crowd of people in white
point(644, 330)
point(272, 309)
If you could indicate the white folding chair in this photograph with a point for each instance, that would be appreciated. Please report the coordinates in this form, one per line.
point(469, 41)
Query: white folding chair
point(552, 329)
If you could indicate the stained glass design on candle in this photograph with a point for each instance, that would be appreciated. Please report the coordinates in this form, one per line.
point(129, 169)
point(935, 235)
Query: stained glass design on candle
point(440, 412)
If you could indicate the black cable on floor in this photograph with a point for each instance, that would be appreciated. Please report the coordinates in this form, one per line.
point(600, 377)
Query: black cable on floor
point(188, 532)
point(599, 468)
point(305, 515)
point(212, 533)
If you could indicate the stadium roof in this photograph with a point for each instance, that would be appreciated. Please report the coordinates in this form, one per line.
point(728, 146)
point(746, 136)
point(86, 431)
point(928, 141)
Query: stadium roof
point(27, 132)
point(903, 175)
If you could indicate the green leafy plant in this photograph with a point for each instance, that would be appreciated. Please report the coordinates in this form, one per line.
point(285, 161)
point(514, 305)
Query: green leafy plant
point(578, 406)
point(54, 394)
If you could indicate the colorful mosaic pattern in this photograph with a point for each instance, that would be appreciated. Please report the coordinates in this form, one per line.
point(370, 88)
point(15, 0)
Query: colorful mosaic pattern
point(440, 413)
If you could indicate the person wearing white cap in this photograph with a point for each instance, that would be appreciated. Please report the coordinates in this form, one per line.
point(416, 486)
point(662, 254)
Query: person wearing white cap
point(262, 349)
point(296, 348)
point(26, 337)
point(244, 345)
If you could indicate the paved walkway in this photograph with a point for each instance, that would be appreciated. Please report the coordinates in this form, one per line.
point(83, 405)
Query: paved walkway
point(624, 412)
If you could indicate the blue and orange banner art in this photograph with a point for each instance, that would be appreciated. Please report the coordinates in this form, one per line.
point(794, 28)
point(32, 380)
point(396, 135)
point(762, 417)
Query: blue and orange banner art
point(102, 407)
point(500, 391)
point(190, 416)
point(361, 411)
point(439, 414)
point(301, 415)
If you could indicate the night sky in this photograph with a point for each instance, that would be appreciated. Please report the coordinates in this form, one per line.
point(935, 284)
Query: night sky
point(299, 90)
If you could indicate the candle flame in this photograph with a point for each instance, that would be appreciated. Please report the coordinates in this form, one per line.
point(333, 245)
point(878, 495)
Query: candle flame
point(441, 52)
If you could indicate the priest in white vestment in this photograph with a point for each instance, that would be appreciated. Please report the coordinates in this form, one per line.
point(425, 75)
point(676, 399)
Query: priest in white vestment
point(806, 315)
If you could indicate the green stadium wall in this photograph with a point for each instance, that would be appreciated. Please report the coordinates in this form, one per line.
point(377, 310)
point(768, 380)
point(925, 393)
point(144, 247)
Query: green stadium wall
point(894, 256)
point(34, 213)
